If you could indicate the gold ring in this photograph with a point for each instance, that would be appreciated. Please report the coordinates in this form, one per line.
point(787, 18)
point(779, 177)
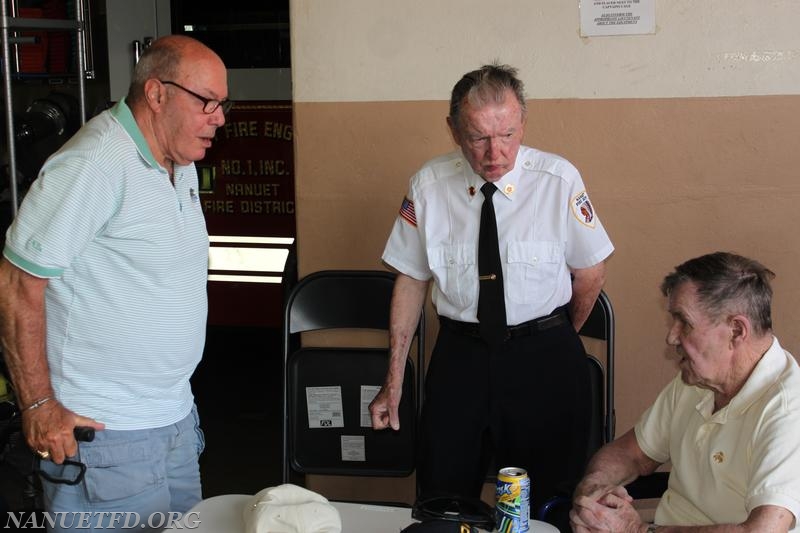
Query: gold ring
point(43, 454)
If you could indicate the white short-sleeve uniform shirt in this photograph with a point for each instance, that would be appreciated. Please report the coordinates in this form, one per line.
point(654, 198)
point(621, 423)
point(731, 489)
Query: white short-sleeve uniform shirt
point(546, 225)
point(725, 464)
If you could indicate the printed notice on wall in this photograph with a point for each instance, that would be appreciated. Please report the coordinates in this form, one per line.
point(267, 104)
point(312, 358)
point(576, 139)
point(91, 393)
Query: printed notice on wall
point(324, 407)
point(617, 17)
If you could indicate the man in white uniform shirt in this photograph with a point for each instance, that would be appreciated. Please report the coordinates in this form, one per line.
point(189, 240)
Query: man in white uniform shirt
point(728, 422)
point(506, 396)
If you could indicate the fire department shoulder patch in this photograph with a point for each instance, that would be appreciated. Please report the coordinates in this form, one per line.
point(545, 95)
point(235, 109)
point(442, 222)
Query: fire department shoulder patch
point(582, 209)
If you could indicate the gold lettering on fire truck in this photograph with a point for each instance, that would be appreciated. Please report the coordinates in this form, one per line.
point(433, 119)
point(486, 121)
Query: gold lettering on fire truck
point(254, 167)
point(252, 189)
point(253, 128)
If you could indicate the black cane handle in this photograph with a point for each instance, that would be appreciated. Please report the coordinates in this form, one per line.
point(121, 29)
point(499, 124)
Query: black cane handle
point(83, 433)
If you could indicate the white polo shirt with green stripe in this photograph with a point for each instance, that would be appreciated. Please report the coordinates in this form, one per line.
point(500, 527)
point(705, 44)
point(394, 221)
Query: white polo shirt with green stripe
point(126, 255)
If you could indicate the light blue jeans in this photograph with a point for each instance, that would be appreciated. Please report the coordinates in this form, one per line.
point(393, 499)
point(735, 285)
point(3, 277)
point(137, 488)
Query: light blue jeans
point(141, 478)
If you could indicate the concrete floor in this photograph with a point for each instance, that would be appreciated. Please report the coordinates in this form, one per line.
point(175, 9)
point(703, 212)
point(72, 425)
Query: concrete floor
point(238, 390)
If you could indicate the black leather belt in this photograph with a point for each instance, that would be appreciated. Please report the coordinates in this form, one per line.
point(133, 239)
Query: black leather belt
point(471, 329)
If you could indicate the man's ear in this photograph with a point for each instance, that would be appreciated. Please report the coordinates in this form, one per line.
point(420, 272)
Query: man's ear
point(740, 328)
point(153, 93)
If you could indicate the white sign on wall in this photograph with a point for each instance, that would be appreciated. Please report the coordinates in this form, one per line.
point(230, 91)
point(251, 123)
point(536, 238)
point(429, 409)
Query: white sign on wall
point(617, 17)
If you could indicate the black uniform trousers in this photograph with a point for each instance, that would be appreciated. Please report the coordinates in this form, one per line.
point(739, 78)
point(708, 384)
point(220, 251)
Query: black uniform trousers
point(526, 404)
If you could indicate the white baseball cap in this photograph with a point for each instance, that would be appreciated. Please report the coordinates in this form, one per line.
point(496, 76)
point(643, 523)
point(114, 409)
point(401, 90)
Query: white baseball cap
point(290, 509)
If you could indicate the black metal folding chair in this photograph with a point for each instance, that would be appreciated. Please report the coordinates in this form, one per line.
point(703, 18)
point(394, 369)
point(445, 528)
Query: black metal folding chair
point(599, 325)
point(327, 388)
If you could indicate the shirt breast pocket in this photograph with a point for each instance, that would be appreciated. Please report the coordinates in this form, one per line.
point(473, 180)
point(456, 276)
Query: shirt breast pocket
point(533, 269)
point(455, 272)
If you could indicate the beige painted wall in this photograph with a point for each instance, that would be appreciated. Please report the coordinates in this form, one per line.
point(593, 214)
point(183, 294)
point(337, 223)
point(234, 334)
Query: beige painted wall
point(686, 139)
point(372, 50)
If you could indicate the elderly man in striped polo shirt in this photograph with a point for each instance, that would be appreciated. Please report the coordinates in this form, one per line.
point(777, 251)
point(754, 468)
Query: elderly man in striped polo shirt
point(103, 293)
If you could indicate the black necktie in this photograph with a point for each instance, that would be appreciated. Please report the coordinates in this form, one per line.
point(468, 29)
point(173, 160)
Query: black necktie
point(491, 302)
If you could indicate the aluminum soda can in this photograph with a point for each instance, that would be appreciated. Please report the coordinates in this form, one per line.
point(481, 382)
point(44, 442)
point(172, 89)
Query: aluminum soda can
point(513, 500)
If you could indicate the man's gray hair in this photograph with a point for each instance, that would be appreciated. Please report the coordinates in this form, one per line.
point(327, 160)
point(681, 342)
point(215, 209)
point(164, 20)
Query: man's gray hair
point(728, 284)
point(486, 85)
point(160, 61)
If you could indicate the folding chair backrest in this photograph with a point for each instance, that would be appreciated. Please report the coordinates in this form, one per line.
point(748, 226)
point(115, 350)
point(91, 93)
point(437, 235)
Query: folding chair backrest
point(340, 299)
point(600, 325)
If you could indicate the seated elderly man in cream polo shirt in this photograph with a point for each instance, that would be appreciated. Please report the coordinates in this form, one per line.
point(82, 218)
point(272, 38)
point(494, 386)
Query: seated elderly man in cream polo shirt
point(729, 422)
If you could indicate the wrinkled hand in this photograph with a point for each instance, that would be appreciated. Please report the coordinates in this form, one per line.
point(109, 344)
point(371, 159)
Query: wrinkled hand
point(610, 514)
point(596, 489)
point(49, 428)
point(384, 407)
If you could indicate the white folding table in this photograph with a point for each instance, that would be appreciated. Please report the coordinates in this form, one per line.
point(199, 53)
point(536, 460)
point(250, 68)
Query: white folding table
point(224, 513)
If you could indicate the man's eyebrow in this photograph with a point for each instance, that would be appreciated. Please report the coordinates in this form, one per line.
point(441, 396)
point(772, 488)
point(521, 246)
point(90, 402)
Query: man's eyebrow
point(675, 312)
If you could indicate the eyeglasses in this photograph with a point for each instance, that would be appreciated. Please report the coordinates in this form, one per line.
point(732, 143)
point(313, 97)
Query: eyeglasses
point(209, 105)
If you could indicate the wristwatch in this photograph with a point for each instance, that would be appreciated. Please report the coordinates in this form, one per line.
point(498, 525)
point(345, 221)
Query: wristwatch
point(652, 528)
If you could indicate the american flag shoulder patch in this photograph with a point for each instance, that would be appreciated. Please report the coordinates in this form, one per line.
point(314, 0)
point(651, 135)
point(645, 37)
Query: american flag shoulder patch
point(407, 212)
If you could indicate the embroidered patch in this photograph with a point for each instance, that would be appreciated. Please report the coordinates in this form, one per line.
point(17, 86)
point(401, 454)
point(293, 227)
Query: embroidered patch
point(407, 212)
point(583, 210)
